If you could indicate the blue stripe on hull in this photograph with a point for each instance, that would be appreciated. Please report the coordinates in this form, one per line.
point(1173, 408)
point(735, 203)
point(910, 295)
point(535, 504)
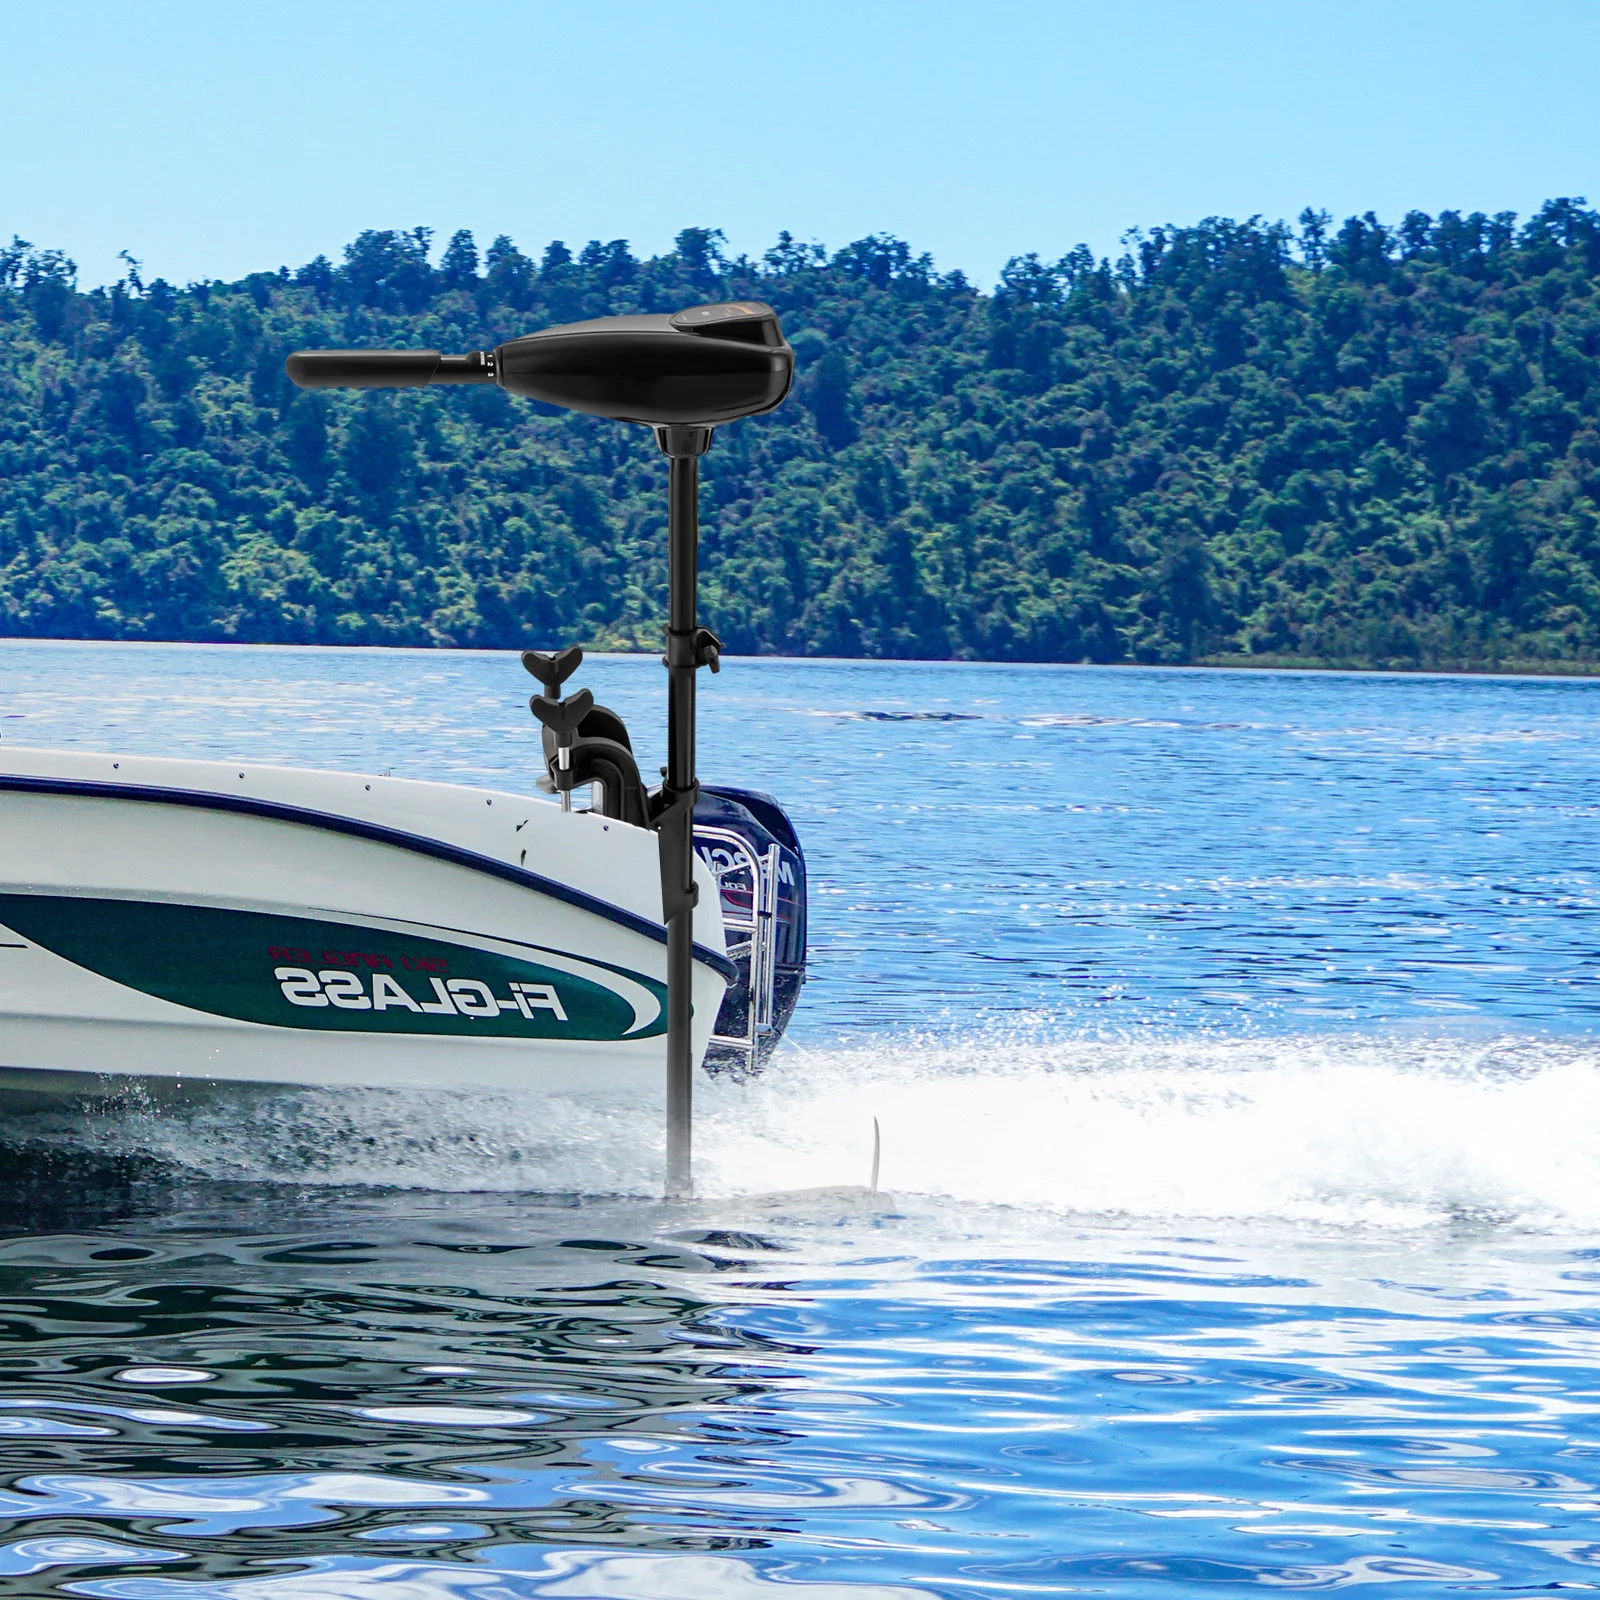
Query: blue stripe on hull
point(353, 827)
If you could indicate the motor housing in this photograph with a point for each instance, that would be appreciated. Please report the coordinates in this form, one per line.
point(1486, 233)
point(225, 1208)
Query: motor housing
point(709, 364)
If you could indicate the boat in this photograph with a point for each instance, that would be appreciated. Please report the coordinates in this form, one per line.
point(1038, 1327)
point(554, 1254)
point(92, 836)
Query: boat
point(181, 925)
point(212, 922)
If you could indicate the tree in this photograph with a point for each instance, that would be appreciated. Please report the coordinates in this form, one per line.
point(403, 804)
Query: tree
point(458, 266)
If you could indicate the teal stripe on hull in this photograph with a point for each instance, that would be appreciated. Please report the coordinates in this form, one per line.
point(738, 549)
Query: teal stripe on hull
point(301, 972)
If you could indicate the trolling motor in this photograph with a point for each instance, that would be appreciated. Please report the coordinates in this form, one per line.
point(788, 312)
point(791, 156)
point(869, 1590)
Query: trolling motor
point(683, 376)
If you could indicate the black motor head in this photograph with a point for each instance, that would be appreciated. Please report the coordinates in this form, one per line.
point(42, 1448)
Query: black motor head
point(706, 365)
point(700, 367)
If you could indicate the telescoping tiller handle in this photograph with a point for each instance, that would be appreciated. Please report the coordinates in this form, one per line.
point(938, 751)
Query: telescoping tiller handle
point(386, 369)
point(682, 375)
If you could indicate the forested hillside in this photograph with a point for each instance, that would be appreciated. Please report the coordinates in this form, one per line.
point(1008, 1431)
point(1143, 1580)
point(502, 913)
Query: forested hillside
point(1334, 445)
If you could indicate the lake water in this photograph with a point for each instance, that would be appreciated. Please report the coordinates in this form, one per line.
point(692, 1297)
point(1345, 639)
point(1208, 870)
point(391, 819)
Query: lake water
point(1233, 1039)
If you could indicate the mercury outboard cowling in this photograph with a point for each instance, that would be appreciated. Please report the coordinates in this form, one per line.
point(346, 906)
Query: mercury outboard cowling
point(747, 840)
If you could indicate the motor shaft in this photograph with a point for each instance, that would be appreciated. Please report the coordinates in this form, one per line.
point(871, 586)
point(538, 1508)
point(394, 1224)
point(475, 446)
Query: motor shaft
point(686, 653)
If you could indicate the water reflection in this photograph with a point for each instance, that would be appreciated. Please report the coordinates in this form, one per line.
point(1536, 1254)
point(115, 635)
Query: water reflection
point(413, 1395)
point(185, 1391)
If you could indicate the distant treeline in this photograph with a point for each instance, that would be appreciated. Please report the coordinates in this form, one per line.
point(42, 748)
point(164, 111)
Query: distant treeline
point(1359, 445)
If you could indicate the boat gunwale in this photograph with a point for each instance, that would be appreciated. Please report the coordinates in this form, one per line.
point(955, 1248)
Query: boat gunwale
point(376, 832)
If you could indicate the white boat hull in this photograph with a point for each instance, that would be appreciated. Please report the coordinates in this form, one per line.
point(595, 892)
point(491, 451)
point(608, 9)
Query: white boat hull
point(212, 923)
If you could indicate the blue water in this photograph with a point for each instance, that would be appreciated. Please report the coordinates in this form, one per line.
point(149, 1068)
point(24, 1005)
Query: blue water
point(1233, 1039)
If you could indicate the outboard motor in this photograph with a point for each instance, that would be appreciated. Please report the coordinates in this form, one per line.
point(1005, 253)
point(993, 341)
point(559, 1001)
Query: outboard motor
point(747, 840)
point(744, 836)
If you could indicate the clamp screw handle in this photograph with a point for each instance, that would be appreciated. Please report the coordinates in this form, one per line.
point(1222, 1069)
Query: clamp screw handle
point(562, 717)
point(553, 670)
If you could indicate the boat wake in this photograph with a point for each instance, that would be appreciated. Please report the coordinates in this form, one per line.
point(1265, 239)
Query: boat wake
point(1402, 1131)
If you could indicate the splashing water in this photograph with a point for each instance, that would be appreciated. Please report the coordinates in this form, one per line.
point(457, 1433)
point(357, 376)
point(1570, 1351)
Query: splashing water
point(1404, 1131)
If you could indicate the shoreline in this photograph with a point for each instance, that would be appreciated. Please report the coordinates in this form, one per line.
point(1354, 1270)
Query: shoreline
point(1519, 668)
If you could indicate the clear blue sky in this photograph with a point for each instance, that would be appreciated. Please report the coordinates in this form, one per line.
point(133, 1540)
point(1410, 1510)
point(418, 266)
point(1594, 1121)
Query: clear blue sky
point(213, 140)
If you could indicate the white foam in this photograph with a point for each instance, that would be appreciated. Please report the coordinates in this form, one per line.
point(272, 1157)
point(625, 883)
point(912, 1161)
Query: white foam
point(1402, 1131)
point(1389, 1132)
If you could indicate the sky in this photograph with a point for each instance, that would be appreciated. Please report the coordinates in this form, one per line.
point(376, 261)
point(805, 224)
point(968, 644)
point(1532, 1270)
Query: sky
point(209, 141)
